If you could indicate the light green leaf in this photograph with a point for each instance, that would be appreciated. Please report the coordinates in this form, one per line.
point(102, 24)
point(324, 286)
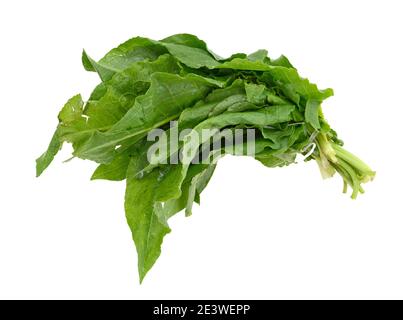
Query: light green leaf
point(116, 170)
point(69, 116)
point(312, 113)
point(47, 157)
point(259, 55)
point(256, 93)
point(147, 229)
point(189, 40)
point(244, 64)
point(122, 57)
point(282, 61)
point(293, 86)
point(192, 57)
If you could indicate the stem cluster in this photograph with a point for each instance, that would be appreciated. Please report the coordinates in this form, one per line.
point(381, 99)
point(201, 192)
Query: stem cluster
point(332, 157)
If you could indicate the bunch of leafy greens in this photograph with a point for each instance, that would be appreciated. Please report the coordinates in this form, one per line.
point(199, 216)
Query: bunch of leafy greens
point(145, 84)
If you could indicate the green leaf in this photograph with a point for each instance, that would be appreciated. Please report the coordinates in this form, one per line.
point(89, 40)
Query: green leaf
point(170, 186)
point(263, 117)
point(116, 170)
point(272, 160)
point(282, 61)
point(115, 98)
point(256, 93)
point(201, 111)
point(293, 86)
point(259, 55)
point(47, 157)
point(189, 40)
point(122, 90)
point(147, 229)
point(192, 57)
point(68, 116)
point(167, 97)
point(122, 57)
point(186, 39)
point(197, 184)
point(175, 205)
point(87, 62)
point(105, 72)
point(312, 113)
point(152, 199)
point(244, 64)
point(72, 110)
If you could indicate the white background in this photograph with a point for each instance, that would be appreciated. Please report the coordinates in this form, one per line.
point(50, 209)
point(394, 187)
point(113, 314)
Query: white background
point(259, 233)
